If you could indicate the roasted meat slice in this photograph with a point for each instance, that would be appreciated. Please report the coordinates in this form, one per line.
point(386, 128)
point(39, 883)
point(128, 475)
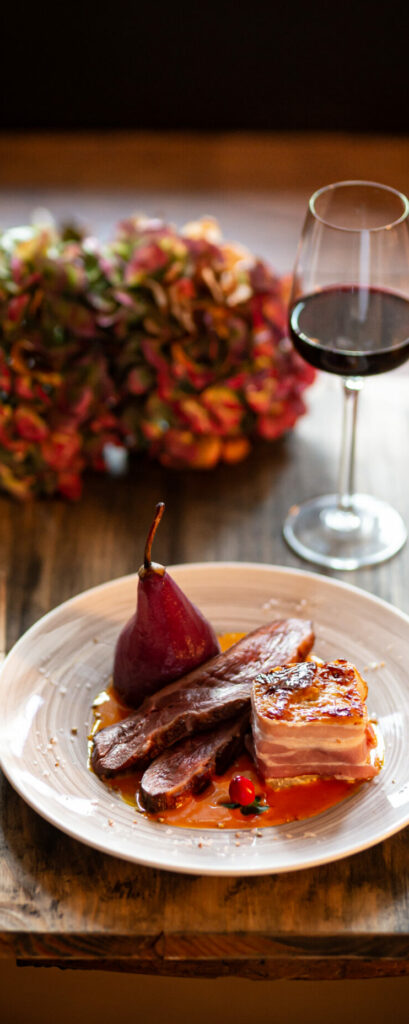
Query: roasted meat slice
point(189, 766)
point(311, 719)
point(218, 690)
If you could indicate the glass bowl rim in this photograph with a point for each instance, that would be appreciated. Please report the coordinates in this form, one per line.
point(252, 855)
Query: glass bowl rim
point(370, 184)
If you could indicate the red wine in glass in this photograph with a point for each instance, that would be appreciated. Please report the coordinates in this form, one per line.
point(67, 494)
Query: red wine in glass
point(351, 331)
point(349, 315)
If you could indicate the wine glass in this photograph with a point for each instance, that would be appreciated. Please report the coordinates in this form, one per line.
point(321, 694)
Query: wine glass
point(349, 315)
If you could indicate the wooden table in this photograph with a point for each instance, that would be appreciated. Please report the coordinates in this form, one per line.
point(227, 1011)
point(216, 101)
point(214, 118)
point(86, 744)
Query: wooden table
point(65, 904)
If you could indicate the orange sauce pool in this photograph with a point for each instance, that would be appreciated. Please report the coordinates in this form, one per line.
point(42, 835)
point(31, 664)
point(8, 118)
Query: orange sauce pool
point(205, 810)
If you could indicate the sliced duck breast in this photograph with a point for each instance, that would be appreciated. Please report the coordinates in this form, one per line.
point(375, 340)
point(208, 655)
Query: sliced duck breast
point(217, 691)
point(188, 767)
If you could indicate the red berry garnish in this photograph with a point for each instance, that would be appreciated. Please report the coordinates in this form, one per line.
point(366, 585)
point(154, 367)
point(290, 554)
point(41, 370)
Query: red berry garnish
point(241, 790)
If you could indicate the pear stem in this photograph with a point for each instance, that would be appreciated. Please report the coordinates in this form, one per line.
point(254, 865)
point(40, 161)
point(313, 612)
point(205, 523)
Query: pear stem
point(160, 508)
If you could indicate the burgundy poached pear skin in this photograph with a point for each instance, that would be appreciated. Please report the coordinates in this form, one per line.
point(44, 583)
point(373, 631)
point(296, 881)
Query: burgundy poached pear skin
point(165, 638)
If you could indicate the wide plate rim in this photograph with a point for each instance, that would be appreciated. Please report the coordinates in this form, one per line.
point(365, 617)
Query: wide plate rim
point(265, 566)
point(161, 862)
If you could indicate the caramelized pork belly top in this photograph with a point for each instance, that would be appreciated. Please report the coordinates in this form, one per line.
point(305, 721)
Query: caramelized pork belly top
point(311, 719)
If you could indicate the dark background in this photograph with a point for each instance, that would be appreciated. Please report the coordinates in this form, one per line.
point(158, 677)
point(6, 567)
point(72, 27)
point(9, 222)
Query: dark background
point(255, 65)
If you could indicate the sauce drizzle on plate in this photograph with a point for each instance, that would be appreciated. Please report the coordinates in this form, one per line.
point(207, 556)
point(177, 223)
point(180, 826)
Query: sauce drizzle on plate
point(206, 810)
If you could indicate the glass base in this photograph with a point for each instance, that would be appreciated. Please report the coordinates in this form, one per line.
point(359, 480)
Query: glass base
point(324, 533)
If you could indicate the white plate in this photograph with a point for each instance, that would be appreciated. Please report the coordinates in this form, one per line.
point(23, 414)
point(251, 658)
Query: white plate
point(50, 677)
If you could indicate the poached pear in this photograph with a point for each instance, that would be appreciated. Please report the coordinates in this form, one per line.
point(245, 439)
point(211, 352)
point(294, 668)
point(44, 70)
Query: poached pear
point(165, 638)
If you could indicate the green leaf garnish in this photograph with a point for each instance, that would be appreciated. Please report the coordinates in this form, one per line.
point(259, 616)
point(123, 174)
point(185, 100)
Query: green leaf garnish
point(247, 809)
point(254, 808)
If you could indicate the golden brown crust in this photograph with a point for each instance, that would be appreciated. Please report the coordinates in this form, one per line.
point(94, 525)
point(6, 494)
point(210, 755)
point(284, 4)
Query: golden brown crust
point(312, 693)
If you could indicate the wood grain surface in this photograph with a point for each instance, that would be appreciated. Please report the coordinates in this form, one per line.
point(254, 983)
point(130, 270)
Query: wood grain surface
point(62, 903)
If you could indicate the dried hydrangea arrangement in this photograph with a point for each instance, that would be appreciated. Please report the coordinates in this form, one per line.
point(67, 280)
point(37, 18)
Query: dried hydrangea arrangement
point(162, 341)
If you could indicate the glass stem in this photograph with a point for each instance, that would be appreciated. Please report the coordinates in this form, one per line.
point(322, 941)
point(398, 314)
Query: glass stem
point(346, 485)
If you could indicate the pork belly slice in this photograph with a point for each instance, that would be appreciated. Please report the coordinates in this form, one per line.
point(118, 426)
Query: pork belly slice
point(311, 719)
point(215, 692)
point(188, 767)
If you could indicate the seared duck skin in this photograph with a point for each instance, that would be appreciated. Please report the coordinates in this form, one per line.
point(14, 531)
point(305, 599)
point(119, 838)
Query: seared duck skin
point(216, 691)
point(188, 767)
